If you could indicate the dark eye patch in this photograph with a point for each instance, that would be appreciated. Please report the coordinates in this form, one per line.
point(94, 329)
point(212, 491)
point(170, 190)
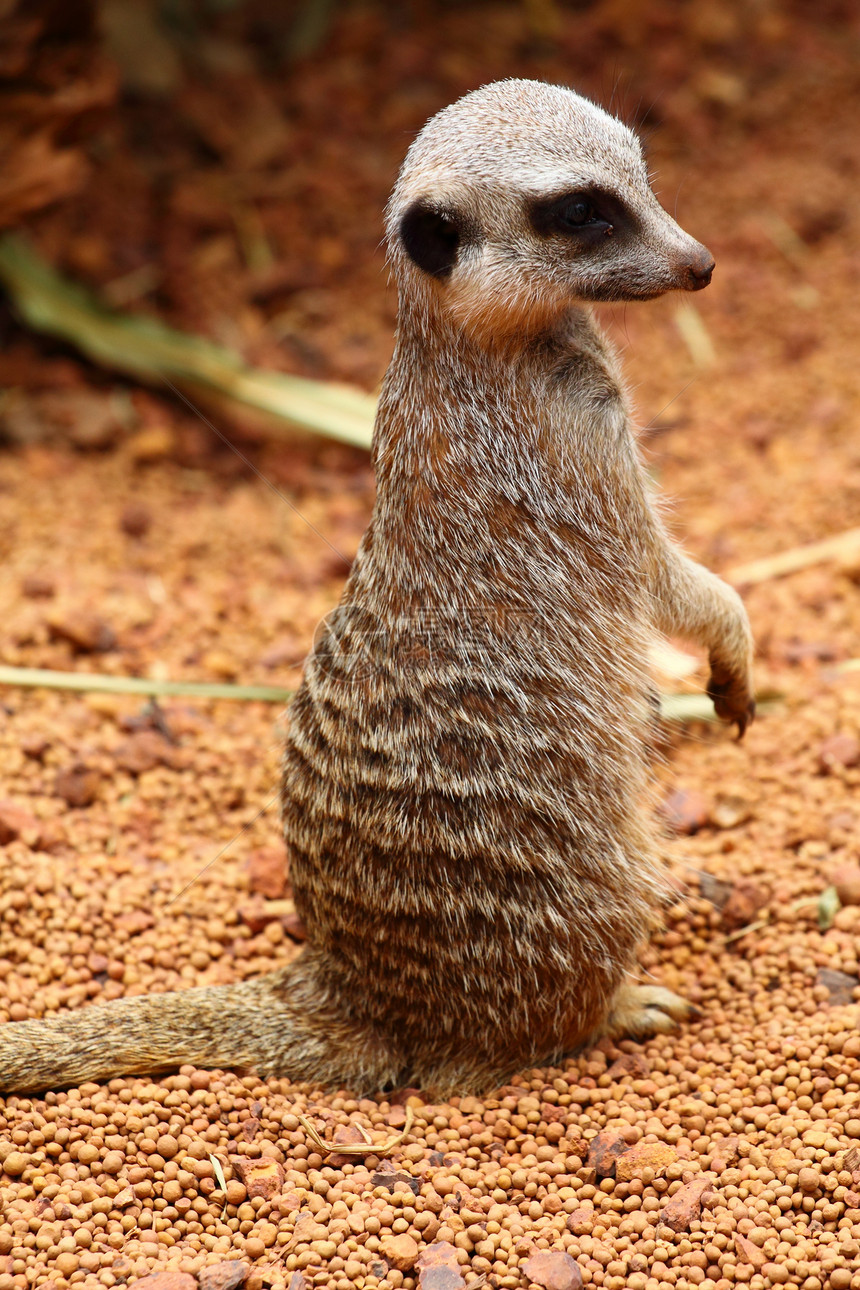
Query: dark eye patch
point(586, 214)
point(432, 238)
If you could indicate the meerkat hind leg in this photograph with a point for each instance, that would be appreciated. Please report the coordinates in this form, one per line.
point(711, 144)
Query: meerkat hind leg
point(640, 1011)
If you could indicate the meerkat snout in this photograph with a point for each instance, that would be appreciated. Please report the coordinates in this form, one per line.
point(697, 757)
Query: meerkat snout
point(696, 269)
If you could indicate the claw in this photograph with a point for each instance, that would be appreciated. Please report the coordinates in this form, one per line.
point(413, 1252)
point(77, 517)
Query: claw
point(731, 699)
point(746, 720)
point(640, 1011)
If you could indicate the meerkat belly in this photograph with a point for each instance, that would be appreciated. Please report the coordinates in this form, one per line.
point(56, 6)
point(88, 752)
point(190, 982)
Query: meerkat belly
point(459, 808)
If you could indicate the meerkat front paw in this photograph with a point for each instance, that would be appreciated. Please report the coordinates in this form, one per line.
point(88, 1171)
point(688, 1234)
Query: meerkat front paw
point(731, 695)
point(640, 1011)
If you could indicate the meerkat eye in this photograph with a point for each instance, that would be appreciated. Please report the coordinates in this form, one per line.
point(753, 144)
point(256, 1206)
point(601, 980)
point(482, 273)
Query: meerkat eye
point(578, 214)
point(431, 238)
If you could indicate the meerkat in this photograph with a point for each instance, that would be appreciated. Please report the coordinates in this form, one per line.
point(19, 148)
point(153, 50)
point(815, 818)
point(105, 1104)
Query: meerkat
point(463, 779)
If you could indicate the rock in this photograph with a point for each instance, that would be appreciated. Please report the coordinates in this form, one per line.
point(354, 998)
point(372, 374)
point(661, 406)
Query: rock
point(38, 586)
point(626, 1064)
point(839, 752)
point(441, 1277)
point(603, 1152)
point(297, 1282)
point(347, 1135)
point(846, 919)
point(839, 985)
point(222, 664)
point(724, 1154)
point(152, 443)
point(134, 921)
point(16, 822)
point(729, 812)
point(294, 927)
point(400, 1251)
point(580, 1221)
point(284, 652)
point(50, 836)
point(35, 745)
point(715, 890)
point(442, 1253)
point(143, 751)
point(438, 1268)
point(223, 1276)
point(686, 1204)
point(263, 1177)
point(651, 1156)
point(235, 1193)
point(266, 868)
point(685, 811)
point(750, 1253)
point(135, 519)
point(77, 786)
point(164, 1281)
point(554, 1270)
point(745, 901)
point(258, 914)
point(395, 1181)
point(846, 880)
point(87, 633)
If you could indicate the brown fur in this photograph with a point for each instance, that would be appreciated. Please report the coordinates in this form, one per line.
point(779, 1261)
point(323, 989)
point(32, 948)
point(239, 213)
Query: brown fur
point(463, 779)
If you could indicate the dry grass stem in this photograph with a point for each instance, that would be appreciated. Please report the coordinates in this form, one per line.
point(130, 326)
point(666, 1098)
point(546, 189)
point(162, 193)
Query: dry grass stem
point(366, 1148)
point(153, 352)
point(840, 546)
point(92, 682)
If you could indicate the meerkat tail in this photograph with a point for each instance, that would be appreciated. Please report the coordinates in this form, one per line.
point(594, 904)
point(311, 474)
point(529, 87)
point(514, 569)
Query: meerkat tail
point(256, 1025)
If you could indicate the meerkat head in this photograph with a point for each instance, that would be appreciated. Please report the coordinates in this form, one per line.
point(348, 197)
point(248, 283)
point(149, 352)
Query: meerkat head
point(522, 199)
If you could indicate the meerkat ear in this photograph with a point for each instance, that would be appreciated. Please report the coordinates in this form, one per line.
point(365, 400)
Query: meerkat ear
point(431, 238)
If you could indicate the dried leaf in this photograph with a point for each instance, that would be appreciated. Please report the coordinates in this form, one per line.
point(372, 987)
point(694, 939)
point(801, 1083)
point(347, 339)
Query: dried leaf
point(829, 905)
point(218, 1170)
point(151, 351)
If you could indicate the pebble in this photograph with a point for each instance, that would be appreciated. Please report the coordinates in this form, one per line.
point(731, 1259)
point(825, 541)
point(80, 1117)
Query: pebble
point(554, 1270)
point(839, 752)
point(223, 1276)
point(686, 1204)
point(685, 811)
point(86, 632)
point(77, 786)
point(135, 519)
point(266, 868)
point(846, 880)
point(400, 1251)
point(15, 821)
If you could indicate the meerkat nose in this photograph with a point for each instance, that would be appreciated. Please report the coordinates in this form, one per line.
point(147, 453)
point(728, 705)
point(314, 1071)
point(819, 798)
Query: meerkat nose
point(700, 266)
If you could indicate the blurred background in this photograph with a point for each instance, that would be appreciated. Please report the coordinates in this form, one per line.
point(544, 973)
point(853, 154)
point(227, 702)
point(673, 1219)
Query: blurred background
point(223, 164)
point(211, 174)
